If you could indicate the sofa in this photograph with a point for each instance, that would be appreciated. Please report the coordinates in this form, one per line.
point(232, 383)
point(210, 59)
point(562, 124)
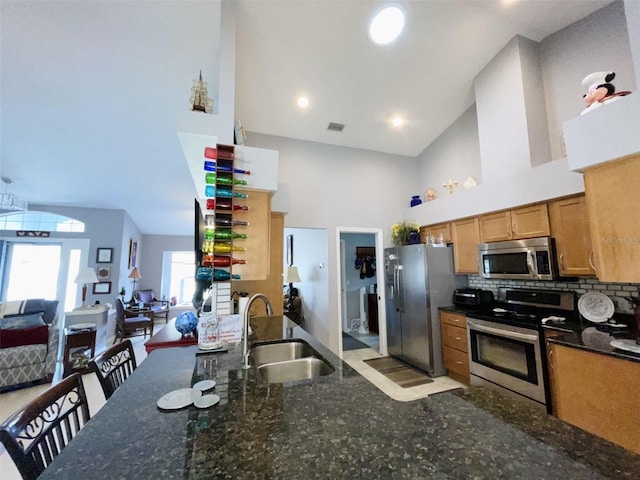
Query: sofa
point(29, 338)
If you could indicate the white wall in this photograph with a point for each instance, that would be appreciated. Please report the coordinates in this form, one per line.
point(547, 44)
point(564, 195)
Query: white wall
point(632, 13)
point(597, 42)
point(330, 187)
point(453, 155)
point(310, 255)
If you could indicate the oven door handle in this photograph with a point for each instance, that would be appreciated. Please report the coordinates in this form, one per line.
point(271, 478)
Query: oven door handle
point(503, 333)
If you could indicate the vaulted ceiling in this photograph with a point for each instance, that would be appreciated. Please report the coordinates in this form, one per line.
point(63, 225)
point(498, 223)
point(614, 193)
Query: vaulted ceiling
point(92, 92)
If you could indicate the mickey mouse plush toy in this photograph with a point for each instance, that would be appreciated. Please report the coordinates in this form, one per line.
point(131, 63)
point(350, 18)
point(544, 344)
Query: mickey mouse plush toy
point(600, 90)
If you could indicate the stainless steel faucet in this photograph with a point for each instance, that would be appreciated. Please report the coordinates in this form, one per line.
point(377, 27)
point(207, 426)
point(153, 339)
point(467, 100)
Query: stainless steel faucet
point(245, 327)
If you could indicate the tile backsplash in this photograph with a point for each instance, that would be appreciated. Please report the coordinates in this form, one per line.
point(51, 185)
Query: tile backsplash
point(616, 291)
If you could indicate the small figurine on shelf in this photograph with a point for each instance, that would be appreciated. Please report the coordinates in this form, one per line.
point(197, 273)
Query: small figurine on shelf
point(431, 195)
point(600, 90)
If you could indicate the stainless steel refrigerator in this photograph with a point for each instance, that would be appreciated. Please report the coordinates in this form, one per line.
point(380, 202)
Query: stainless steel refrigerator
point(418, 280)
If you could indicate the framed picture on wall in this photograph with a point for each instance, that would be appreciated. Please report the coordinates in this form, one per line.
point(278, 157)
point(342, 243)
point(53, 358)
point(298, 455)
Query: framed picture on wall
point(104, 255)
point(103, 273)
point(133, 252)
point(101, 288)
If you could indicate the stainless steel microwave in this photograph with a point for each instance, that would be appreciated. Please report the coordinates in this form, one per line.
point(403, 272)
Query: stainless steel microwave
point(529, 259)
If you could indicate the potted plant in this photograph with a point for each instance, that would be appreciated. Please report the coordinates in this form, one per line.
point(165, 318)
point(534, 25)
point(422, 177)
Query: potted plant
point(405, 233)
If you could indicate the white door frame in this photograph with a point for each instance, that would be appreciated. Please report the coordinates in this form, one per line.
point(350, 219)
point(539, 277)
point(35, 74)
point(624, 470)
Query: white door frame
point(382, 317)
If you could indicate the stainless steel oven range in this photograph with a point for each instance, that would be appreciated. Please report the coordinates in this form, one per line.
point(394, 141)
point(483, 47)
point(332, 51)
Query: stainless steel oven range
point(506, 345)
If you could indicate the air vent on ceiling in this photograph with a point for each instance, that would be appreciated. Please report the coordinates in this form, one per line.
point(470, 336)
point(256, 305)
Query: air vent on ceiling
point(335, 127)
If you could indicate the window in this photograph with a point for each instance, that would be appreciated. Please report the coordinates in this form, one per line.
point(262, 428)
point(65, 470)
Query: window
point(178, 271)
point(34, 271)
point(40, 222)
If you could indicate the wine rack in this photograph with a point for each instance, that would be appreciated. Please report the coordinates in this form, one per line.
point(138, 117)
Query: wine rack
point(222, 246)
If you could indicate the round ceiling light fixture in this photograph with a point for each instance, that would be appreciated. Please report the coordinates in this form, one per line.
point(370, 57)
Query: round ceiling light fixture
point(397, 121)
point(386, 25)
point(303, 102)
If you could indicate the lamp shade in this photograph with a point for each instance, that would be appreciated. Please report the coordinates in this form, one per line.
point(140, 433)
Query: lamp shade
point(135, 274)
point(87, 275)
point(291, 275)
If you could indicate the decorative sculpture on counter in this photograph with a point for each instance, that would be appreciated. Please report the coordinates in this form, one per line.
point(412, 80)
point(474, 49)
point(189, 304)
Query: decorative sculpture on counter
point(470, 182)
point(187, 323)
point(451, 184)
point(600, 90)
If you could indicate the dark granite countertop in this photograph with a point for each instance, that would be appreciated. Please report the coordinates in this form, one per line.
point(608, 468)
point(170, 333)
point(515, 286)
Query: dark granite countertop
point(334, 427)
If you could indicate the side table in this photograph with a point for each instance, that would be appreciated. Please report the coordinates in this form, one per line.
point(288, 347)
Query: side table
point(76, 343)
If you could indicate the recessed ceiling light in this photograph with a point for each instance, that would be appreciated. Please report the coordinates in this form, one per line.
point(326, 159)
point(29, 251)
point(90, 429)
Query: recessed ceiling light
point(397, 121)
point(386, 25)
point(303, 102)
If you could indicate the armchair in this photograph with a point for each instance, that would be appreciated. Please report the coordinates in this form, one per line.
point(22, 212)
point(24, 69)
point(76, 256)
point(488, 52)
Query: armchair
point(159, 308)
point(129, 321)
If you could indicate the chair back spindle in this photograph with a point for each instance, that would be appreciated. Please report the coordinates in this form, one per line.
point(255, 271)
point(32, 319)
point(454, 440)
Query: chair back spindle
point(36, 435)
point(114, 366)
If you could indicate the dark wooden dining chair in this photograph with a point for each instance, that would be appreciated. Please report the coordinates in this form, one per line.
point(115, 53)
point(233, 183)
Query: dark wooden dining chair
point(114, 366)
point(130, 321)
point(35, 435)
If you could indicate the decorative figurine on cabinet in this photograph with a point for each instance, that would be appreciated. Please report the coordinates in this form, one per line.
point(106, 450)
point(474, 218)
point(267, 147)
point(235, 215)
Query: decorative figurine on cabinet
point(600, 90)
point(431, 195)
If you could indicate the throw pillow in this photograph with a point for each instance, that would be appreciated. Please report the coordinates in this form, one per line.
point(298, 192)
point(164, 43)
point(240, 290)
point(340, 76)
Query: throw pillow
point(19, 322)
point(25, 336)
point(48, 307)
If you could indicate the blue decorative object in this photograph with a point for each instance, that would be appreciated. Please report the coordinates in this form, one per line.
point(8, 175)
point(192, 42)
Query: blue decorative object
point(415, 200)
point(187, 323)
point(414, 238)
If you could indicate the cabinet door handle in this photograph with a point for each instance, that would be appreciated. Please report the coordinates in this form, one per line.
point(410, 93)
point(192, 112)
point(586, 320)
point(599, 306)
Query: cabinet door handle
point(509, 235)
point(591, 262)
point(459, 363)
point(514, 228)
point(562, 262)
point(458, 338)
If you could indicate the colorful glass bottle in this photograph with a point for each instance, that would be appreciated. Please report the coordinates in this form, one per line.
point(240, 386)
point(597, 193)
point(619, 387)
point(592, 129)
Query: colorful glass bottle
point(219, 275)
point(227, 248)
point(212, 178)
point(227, 204)
point(227, 221)
point(224, 261)
point(227, 234)
point(213, 167)
point(211, 191)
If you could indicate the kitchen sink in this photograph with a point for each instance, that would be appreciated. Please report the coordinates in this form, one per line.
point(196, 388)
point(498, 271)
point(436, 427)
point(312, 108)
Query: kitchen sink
point(273, 352)
point(293, 370)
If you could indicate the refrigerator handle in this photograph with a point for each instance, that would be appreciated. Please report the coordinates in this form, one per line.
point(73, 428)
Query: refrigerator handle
point(399, 290)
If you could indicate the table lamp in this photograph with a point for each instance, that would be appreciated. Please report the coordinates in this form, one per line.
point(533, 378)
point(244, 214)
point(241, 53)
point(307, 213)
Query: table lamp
point(85, 277)
point(291, 276)
point(135, 275)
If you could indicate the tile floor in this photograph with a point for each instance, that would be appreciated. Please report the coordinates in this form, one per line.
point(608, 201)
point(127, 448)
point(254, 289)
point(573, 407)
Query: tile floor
point(355, 358)
point(13, 401)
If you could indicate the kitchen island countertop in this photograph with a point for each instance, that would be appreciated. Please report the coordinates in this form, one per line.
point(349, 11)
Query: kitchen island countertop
point(336, 427)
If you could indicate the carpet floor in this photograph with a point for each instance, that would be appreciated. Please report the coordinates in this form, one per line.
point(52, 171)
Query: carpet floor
point(400, 373)
point(350, 343)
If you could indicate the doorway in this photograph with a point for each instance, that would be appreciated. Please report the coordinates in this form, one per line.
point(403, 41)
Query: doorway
point(362, 319)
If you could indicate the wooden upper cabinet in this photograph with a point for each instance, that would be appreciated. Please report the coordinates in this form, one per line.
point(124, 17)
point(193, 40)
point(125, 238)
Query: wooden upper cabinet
point(524, 222)
point(570, 228)
point(465, 235)
point(495, 227)
point(435, 231)
point(613, 209)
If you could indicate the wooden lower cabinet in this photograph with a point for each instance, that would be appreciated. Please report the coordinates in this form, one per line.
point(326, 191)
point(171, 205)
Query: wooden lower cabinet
point(465, 235)
point(598, 393)
point(570, 228)
point(454, 346)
